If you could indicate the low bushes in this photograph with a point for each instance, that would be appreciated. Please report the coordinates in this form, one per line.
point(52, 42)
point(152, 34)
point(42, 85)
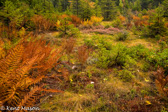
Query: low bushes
point(122, 36)
point(117, 55)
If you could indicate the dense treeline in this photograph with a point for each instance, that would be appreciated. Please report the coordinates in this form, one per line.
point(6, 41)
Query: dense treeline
point(82, 8)
point(43, 15)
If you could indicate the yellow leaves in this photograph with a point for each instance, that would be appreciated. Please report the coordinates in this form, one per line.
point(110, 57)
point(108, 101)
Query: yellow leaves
point(58, 23)
point(22, 32)
point(148, 102)
point(71, 80)
point(87, 22)
point(95, 19)
point(146, 80)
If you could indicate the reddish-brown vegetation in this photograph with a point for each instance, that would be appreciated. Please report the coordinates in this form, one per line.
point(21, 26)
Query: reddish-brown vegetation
point(22, 69)
point(161, 81)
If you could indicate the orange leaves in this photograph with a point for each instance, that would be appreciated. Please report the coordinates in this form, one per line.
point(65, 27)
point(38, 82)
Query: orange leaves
point(75, 20)
point(41, 23)
point(64, 16)
point(166, 24)
point(2, 51)
point(83, 54)
point(137, 21)
point(33, 56)
point(145, 17)
point(135, 18)
point(122, 18)
point(141, 21)
point(69, 45)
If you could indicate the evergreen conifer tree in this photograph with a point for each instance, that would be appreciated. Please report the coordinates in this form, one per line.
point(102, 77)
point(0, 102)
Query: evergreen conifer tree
point(109, 9)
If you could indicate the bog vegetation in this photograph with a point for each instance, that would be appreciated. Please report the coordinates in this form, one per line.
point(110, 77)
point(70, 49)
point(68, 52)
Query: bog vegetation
point(84, 55)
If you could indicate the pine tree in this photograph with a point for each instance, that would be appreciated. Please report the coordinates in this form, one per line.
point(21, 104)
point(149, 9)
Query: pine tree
point(86, 10)
point(165, 5)
point(76, 7)
point(65, 4)
point(97, 9)
point(82, 8)
point(108, 9)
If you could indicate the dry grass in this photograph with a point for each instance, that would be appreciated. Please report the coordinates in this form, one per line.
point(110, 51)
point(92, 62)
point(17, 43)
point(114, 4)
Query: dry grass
point(144, 42)
point(69, 102)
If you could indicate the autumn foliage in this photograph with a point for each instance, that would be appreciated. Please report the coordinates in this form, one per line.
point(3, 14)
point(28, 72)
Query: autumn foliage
point(41, 23)
point(8, 32)
point(83, 54)
point(143, 21)
point(75, 20)
point(161, 81)
point(22, 69)
point(93, 21)
point(122, 18)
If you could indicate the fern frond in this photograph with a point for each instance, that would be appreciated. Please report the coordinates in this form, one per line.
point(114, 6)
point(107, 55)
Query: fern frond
point(12, 60)
point(52, 90)
point(31, 97)
point(11, 96)
point(35, 81)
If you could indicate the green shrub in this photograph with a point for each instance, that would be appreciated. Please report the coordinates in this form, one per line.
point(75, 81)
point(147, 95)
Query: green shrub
point(138, 51)
point(117, 23)
point(157, 27)
point(122, 36)
point(162, 45)
point(125, 75)
point(159, 58)
point(135, 30)
point(102, 42)
point(68, 30)
point(73, 31)
point(146, 66)
point(103, 58)
point(98, 43)
point(89, 43)
point(118, 55)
